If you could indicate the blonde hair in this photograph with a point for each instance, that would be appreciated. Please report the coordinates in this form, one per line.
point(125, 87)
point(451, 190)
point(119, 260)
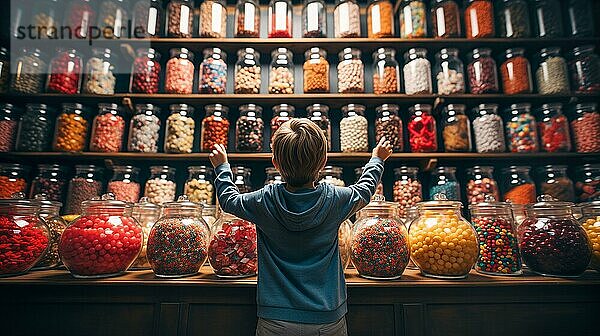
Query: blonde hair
point(300, 151)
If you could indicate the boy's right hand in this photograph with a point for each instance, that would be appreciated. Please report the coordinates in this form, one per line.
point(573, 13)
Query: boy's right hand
point(383, 150)
point(218, 155)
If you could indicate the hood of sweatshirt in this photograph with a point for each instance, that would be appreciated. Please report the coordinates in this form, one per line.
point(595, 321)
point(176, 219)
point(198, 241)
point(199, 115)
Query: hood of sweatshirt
point(303, 209)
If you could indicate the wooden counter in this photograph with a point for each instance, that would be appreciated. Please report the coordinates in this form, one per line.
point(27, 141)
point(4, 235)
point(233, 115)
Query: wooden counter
point(138, 303)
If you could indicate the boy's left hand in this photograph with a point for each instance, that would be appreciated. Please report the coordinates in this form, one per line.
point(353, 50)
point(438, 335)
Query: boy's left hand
point(218, 155)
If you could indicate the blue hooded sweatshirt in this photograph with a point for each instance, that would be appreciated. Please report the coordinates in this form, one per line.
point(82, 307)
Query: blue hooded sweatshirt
point(300, 277)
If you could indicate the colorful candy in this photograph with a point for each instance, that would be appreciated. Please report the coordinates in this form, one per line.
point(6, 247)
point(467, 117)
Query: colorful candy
point(213, 75)
point(232, 250)
point(498, 247)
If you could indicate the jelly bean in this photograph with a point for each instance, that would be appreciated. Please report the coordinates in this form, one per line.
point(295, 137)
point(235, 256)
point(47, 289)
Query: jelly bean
point(498, 247)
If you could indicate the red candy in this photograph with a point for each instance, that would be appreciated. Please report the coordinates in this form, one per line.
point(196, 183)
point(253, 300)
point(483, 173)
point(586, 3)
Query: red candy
point(80, 17)
point(125, 191)
point(8, 132)
point(422, 134)
point(21, 244)
point(107, 135)
point(65, 73)
point(214, 131)
point(145, 75)
point(232, 250)
point(554, 133)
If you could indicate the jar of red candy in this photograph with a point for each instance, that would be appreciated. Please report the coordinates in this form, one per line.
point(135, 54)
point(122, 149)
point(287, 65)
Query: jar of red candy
point(408, 190)
point(85, 185)
point(422, 132)
point(553, 181)
point(332, 175)
point(591, 224)
point(213, 71)
point(552, 243)
point(584, 66)
point(179, 75)
point(145, 71)
point(148, 18)
point(479, 19)
point(9, 122)
point(379, 247)
point(518, 186)
point(444, 182)
point(249, 129)
point(241, 178)
point(50, 214)
point(70, 133)
point(481, 184)
point(586, 128)
point(144, 129)
point(280, 18)
point(12, 179)
point(521, 129)
point(100, 72)
point(587, 185)
point(146, 214)
point(247, 18)
point(80, 17)
point(178, 242)
point(456, 131)
point(232, 251)
point(389, 125)
point(64, 73)
point(516, 72)
point(359, 171)
point(108, 129)
point(498, 246)
point(25, 236)
point(281, 114)
point(180, 18)
point(482, 73)
point(319, 114)
point(553, 128)
point(50, 180)
point(273, 176)
point(215, 127)
point(125, 183)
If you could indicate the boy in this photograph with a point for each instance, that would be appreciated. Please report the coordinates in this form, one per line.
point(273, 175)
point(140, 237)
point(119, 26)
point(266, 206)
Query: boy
point(301, 287)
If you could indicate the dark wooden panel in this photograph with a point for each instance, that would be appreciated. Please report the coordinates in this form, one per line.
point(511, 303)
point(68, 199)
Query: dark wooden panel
point(221, 320)
point(371, 320)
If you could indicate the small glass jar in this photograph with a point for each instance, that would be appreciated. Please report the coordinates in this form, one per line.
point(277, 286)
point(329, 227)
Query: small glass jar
point(148, 18)
point(103, 242)
point(591, 224)
point(482, 73)
point(249, 129)
point(213, 71)
point(389, 125)
point(179, 75)
point(456, 131)
point(4, 70)
point(280, 19)
point(215, 127)
point(380, 19)
point(314, 18)
point(70, 133)
point(179, 135)
point(346, 19)
point(273, 176)
point(209, 214)
point(512, 17)
point(552, 76)
point(413, 19)
point(444, 181)
point(450, 72)
point(332, 175)
point(354, 129)
point(316, 71)
point(113, 18)
point(515, 72)
point(161, 186)
point(586, 128)
point(146, 214)
point(108, 129)
point(350, 71)
point(553, 181)
point(587, 184)
point(125, 183)
point(79, 17)
point(247, 18)
point(422, 131)
point(479, 19)
point(145, 72)
point(28, 72)
point(64, 72)
point(232, 251)
point(359, 172)
point(213, 19)
point(319, 114)
point(488, 129)
point(25, 236)
point(144, 129)
point(548, 19)
point(584, 66)
point(9, 123)
point(241, 178)
point(552, 242)
point(281, 72)
point(50, 214)
point(498, 246)
point(445, 19)
point(553, 127)
point(51, 180)
point(180, 18)
point(581, 18)
point(247, 72)
point(518, 187)
point(47, 17)
point(12, 179)
point(198, 187)
point(386, 71)
point(281, 114)
point(84, 186)
point(35, 129)
point(380, 249)
point(100, 72)
point(417, 72)
point(521, 129)
point(408, 190)
point(443, 244)
point(481, 185)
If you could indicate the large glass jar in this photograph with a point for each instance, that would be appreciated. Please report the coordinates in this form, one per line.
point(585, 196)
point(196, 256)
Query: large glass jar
point(179, 75)
point(482, 73)
point(209, 214)
point(552, 76)
point(213, 19)
point(498, 246)
point(443, 244)
point(241, 178)
point(346, 19)
point(344, 241)
point(584, 65)
point(145, 72)
point(108, 129)
point(314, 18)
point(281, 114)
point(146, 214)
point(50, 214)
point(581, 18)
point(281, 73)
point(319, 114)
point(247, 18)
point(64, 72)
point(413, 19)
point(79, 17)
point(408, 190)
point(179, 135)
point(213, 71)
point(516, 72)
point(12, 179)
point(521, 129)
point(273, 176)
point(450, 74)
point(422, 134)
point(332, 175)
point(47, 17)
point(548, 19)
point(103, 242)
point(144, 129)
point(85, 185)
point(247, 72)
point(100, 72)
point(445, 19)
point(51, 180)
point(316, 71)
point(161, 186)
point(553, 127)
point(232, 251)
point(125, 183)
point(417, 72)
point(350, 71)
point(113, 18)
point(354, 129)
point(444, 182)
point(488, 129)
point(512, 17)
point(35, 129)
point(180, 18)
point(389, 125)
point(359, 172)
point(280, 19)
point(148, 18)
point(380, 19)
point(25, 236)
point(9, 123)
point(386, 71)
point(587, 184)
point(552, 243)
point(380, 249)
point(553, 181)
point(198, 187)
point(479, 19)
point(28, 72)
point(518, 187)
point(591, 224)
point(456, 131)
point(586, 128)
point(215, 127)
point(249, 129)
point(481, 185)
point(70, 134)
point(4, 70)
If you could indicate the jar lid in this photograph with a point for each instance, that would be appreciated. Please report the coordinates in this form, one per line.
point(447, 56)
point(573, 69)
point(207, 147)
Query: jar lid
point(106, 201)
point(547, 202)
point(378, 202)
point(406, 170)
point(480, 169)
point(550, 51)
point(550, 106)
point(45, 203)
point(145, 204)
point(490, 204)
point(162, 169)
point(183, 203)
point(513, 169)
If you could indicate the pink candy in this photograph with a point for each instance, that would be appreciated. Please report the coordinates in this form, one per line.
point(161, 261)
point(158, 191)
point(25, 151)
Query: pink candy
point(180, 76)
point(107, 135)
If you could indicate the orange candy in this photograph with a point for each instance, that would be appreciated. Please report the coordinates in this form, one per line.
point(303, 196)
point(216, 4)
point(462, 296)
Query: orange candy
point(71, 131)
point(9, 186)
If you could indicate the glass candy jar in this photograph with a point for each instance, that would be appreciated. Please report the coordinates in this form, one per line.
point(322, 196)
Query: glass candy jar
point(209, 214)
point(179, 18)
point(247, 18)
point(241, 178)
point(215, 127)
point(319, 114)
point(247, 72)
point(516, 72)
point(232, 251)
point(482, 73)
point(488, 129)
point(518, 187)
point(413, 19)
point(417, 72)
point(552, 76)
point(521, 129)
point(380, 19)
point(145, 72)
point(450, 74)
point(316, 71)
point(50, 214)
point(346, 19)
point(161, 186)
point(9, 123)
point(51, 181)
point(70, 133)
point(146, 214)
point(273, 176)
point(408, 190)
point(84, 186)
point(481, 185)
point(213, 19)
point(553, 181)
point(586, 128)
point(46, 16)
point(584, 66)
point(553, 129)
point(350, 71)
point(148, 18)
point(548, 19)
point(4, 70)
point(456, 129)
point(354, 129)
point(100, 72)
point(125, 183)
point(581, 18)
point(281, 114)
point(332, 175)
point(108, 129)
point(179, 135)
point(249, 129)
point(28, 72)
point(389, 125)
point(79, 17)
point(213, 71)
point(512, 19)
point(444, 181)
point(12, 179)
point(179, 74)
point(280, 19)
point(479, 19)
point(422, 134)
point(64, 73)
point(144, 129)
point(35, 129)
point(445, 19)
point(344, 241)
point(386, 71)
point(314, 18)
point(113, 18)
point(591, 224)
point(198, 187)
point(587, 184)
point(281, 72)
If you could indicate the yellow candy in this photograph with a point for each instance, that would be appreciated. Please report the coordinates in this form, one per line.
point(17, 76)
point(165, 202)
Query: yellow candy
point(592, 228)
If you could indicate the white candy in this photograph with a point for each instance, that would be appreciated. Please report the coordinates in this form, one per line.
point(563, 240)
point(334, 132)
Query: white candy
point(180, 134)
point(144, 133)
point(354, 134)
point(160, 191)
point(450, 81)
point(417, 76)
point(489, 134)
